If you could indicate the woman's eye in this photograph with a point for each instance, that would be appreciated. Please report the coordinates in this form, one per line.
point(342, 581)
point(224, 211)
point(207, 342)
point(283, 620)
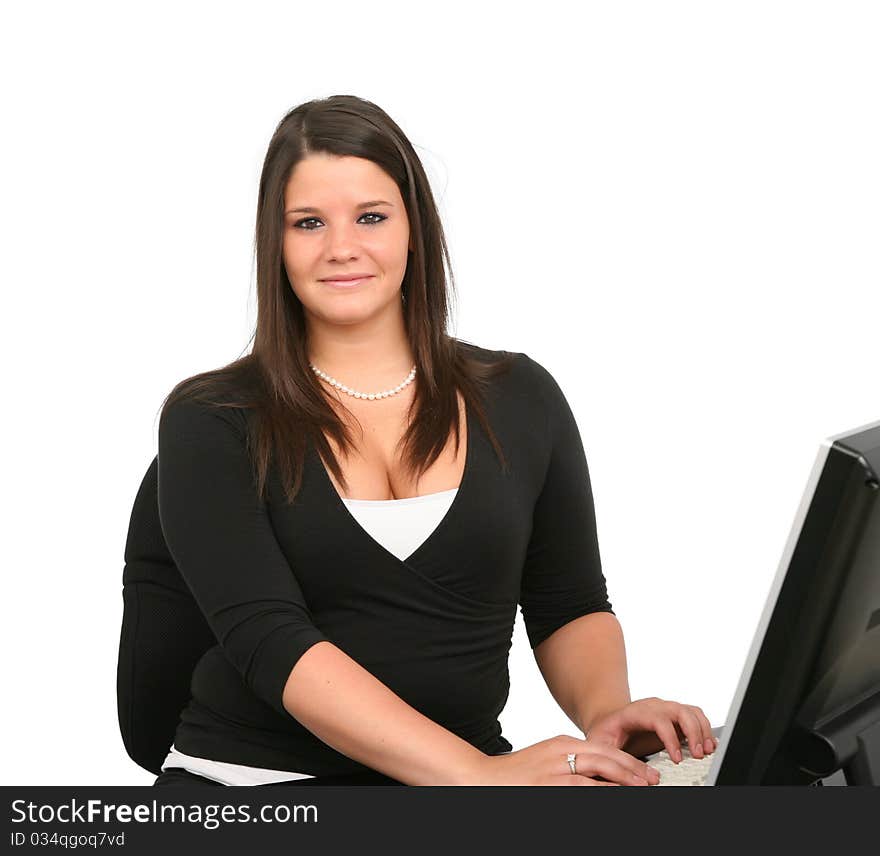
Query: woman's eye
point(300, 224)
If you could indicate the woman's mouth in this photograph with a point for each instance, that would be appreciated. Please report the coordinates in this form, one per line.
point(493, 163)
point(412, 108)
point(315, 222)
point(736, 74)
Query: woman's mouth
point(346, 283)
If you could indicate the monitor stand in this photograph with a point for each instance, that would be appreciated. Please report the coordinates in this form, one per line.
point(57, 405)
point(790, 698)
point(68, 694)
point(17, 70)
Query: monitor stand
point(848, 743)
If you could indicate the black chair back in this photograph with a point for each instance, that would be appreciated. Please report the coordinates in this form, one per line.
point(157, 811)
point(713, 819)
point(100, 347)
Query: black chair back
point(164, 634)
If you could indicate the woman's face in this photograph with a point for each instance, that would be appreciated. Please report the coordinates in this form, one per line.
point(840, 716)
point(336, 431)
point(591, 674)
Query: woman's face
point(340, 234)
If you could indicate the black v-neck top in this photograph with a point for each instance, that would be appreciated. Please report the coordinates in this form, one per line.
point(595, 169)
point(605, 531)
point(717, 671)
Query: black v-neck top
point(272, 579)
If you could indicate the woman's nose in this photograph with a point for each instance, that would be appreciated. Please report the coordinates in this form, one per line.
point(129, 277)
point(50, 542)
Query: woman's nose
point(342, 241)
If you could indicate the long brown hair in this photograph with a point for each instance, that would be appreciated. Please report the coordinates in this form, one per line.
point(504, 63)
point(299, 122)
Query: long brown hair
point(287, 407)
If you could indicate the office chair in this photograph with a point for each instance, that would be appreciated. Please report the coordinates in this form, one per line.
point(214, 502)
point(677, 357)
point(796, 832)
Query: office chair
point(164, 635)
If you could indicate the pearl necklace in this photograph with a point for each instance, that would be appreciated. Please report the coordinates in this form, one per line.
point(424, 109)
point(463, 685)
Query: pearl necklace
point(368, 395)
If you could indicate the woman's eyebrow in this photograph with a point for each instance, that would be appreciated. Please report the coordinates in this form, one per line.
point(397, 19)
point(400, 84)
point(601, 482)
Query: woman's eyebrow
point(318, 210)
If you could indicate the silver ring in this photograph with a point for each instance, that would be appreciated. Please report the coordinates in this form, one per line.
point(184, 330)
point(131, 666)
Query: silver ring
point(571, 762)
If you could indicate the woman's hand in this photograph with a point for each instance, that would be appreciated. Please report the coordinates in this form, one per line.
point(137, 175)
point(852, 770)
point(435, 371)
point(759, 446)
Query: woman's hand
point(652, 724)
point(545, 763)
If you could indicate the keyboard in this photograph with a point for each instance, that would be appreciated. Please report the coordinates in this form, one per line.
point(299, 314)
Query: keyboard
point(690, 771)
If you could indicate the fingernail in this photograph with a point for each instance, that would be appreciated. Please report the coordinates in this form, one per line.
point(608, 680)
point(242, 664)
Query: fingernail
point(709, 744)
point(698, 750)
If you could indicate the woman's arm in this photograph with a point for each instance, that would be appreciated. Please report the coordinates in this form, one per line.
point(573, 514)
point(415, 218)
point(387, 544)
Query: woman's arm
point(575, 635)
point(349, 709)
point(584, 666)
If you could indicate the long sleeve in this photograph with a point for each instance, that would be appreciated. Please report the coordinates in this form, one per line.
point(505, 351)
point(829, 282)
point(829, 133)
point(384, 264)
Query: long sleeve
point(222, 541)
point(562, 575)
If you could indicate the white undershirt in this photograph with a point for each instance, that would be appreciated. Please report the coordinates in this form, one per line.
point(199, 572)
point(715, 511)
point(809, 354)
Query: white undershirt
point(399, 525)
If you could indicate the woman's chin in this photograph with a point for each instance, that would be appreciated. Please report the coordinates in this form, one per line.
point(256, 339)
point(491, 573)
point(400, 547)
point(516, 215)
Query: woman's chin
point(356, 312)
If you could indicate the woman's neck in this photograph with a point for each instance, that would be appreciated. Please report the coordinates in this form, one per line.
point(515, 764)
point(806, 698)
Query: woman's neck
point(362, 361)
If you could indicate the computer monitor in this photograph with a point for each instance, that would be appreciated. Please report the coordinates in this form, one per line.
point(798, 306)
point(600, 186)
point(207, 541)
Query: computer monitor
point(808, 701)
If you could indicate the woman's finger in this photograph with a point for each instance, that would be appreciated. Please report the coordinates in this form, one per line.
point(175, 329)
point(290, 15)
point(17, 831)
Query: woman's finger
point(698, 732)
point(613, 769)
point(665, 730)
point(692, 728)
point(580, 781)
point(618, 756)
point(708, 738)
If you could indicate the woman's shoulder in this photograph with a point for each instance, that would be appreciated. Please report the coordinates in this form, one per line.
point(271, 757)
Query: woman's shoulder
point(194, 405)
point(522, 370)
point(503, 359)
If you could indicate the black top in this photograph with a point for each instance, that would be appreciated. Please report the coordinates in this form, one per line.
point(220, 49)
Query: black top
point(273, 579)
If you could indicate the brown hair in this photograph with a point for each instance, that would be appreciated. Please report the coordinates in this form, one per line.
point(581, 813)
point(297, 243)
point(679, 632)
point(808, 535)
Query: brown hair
point(274, 382)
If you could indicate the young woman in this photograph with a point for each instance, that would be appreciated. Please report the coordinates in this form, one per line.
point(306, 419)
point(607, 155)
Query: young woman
point(360, 504)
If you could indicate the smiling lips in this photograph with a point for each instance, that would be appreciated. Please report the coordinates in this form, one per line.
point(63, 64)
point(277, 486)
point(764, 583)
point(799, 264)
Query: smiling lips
point(347, 280)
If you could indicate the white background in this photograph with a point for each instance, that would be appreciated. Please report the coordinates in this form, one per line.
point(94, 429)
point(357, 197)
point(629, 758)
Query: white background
point(671, 206)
